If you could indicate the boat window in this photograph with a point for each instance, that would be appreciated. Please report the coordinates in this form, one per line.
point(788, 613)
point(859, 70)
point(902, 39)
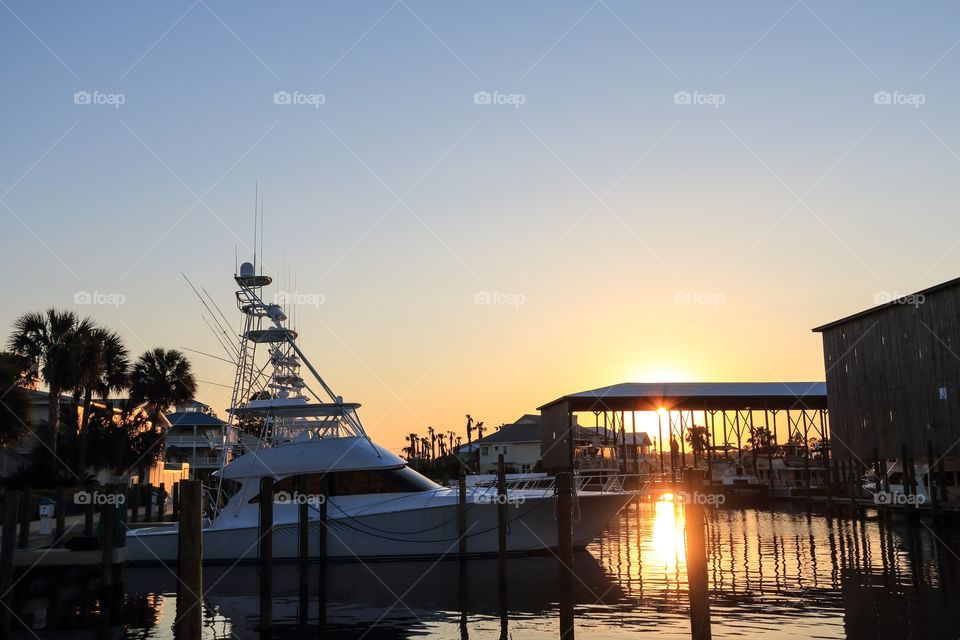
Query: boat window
point(361, 482)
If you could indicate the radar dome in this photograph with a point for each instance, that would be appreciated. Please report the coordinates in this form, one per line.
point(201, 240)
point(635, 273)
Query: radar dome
point(246, 269)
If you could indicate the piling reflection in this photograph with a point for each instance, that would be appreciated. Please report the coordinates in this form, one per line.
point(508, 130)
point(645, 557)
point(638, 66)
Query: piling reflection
point(765, 572)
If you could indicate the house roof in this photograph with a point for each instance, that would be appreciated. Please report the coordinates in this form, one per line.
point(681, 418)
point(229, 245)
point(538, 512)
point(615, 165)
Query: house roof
point(193, 418)
point(889, 303)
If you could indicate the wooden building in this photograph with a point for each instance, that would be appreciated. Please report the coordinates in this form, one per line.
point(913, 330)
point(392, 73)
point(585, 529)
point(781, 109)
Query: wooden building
point(893, 376)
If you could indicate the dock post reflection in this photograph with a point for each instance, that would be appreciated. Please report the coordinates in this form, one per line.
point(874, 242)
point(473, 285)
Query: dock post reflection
point(565, 549)
point(190, 563)
point(697, 580)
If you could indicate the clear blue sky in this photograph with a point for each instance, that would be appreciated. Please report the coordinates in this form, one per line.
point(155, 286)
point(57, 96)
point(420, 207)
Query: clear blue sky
point(600, 201)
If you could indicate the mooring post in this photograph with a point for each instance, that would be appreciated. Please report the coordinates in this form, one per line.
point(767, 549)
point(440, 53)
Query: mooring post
point(108, 518)
point(7, 549)
point(134, 501)
point(303, 528)
point(266, 554)
point(189, 561)
point(25, 508)
point(696, 548)
point(565, 549)
point(175, 516)
point(322, 586)
point(501, 517)
point(462, 515)
point(933, 483)
point(88, 516)
point(61, 507)
point(565, 491)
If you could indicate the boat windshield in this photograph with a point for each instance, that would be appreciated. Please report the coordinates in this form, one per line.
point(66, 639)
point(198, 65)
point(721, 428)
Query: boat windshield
point(359, 482)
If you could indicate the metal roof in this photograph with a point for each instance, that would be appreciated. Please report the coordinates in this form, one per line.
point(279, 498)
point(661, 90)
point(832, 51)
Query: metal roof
point(650, 396)
point(191, 418)
point(899, 302)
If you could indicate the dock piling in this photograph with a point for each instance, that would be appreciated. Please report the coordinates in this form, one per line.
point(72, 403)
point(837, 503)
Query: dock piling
point(189, 561)
point(462, 516)
point(501, 517)
point(266, 554)
point(61, 513)
point(108, 516)
point(25, 509)
point(7, 550)
point(322, 585)
point(696, 551)
point(303, 549)
point(565, 552)
point(176, 502)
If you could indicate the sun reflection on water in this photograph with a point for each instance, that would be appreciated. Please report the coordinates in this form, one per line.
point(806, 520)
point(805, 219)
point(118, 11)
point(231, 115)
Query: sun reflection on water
point(667, 539)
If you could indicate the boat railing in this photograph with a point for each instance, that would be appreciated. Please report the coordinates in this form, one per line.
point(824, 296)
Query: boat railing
point(488, 490)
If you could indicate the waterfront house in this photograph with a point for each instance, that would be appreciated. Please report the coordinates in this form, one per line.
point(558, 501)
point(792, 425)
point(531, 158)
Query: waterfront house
point(196, 436)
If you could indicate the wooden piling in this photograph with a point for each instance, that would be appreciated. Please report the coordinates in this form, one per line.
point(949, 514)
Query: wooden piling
point(134, 502)
point(933, 483)
point(108, 517)
point(25, 512)
point(266, 554)
point(322, 583)
point(696, 552)
point(176, 502)
point(303, 549)
point(7, 550)
point(501, 517)
point(565, 518)
point(189, 561)
point(462, 515)
point(61, 515)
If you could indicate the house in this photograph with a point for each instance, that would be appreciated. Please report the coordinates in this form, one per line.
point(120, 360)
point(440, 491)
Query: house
point(14, 459)
point(519, 443)
point(196, 436)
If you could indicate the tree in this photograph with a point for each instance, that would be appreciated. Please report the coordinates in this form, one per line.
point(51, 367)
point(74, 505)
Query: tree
point(698, 440)
point(105, 365)
point(161, 378)
point(13, 402)
point(51, 341)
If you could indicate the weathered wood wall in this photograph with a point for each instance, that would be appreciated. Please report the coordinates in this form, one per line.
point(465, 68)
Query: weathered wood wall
point(886, 372)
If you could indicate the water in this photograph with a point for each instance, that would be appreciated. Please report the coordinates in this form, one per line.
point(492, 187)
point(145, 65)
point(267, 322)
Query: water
point(773, 574)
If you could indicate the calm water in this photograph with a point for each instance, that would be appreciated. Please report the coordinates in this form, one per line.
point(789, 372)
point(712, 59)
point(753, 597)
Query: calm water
point(773, 574)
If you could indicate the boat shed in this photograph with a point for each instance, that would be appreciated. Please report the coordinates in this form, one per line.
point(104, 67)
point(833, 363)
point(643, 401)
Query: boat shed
point(729, 412)
point(893, 372)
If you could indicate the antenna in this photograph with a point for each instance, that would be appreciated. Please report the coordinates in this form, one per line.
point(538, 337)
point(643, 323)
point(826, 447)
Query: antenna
point(256, 199)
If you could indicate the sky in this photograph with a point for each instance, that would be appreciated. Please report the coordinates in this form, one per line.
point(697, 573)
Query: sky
point(480, 207)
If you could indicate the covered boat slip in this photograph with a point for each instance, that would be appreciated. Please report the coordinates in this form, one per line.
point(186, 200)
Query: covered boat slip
point(693, 420)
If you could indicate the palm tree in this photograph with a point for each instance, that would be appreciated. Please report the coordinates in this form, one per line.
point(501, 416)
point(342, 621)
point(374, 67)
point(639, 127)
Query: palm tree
point(106, 365)
point(161, 378)
point(13, 402)
point(51, 340)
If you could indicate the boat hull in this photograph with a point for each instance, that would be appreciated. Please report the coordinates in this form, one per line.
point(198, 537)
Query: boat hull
point(430, 531)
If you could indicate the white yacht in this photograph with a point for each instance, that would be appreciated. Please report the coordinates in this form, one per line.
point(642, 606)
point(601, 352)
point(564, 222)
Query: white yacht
point(314, 446)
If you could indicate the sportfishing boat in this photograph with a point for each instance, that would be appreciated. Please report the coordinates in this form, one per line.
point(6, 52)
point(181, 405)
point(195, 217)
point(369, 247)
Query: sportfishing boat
point(314, 447)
